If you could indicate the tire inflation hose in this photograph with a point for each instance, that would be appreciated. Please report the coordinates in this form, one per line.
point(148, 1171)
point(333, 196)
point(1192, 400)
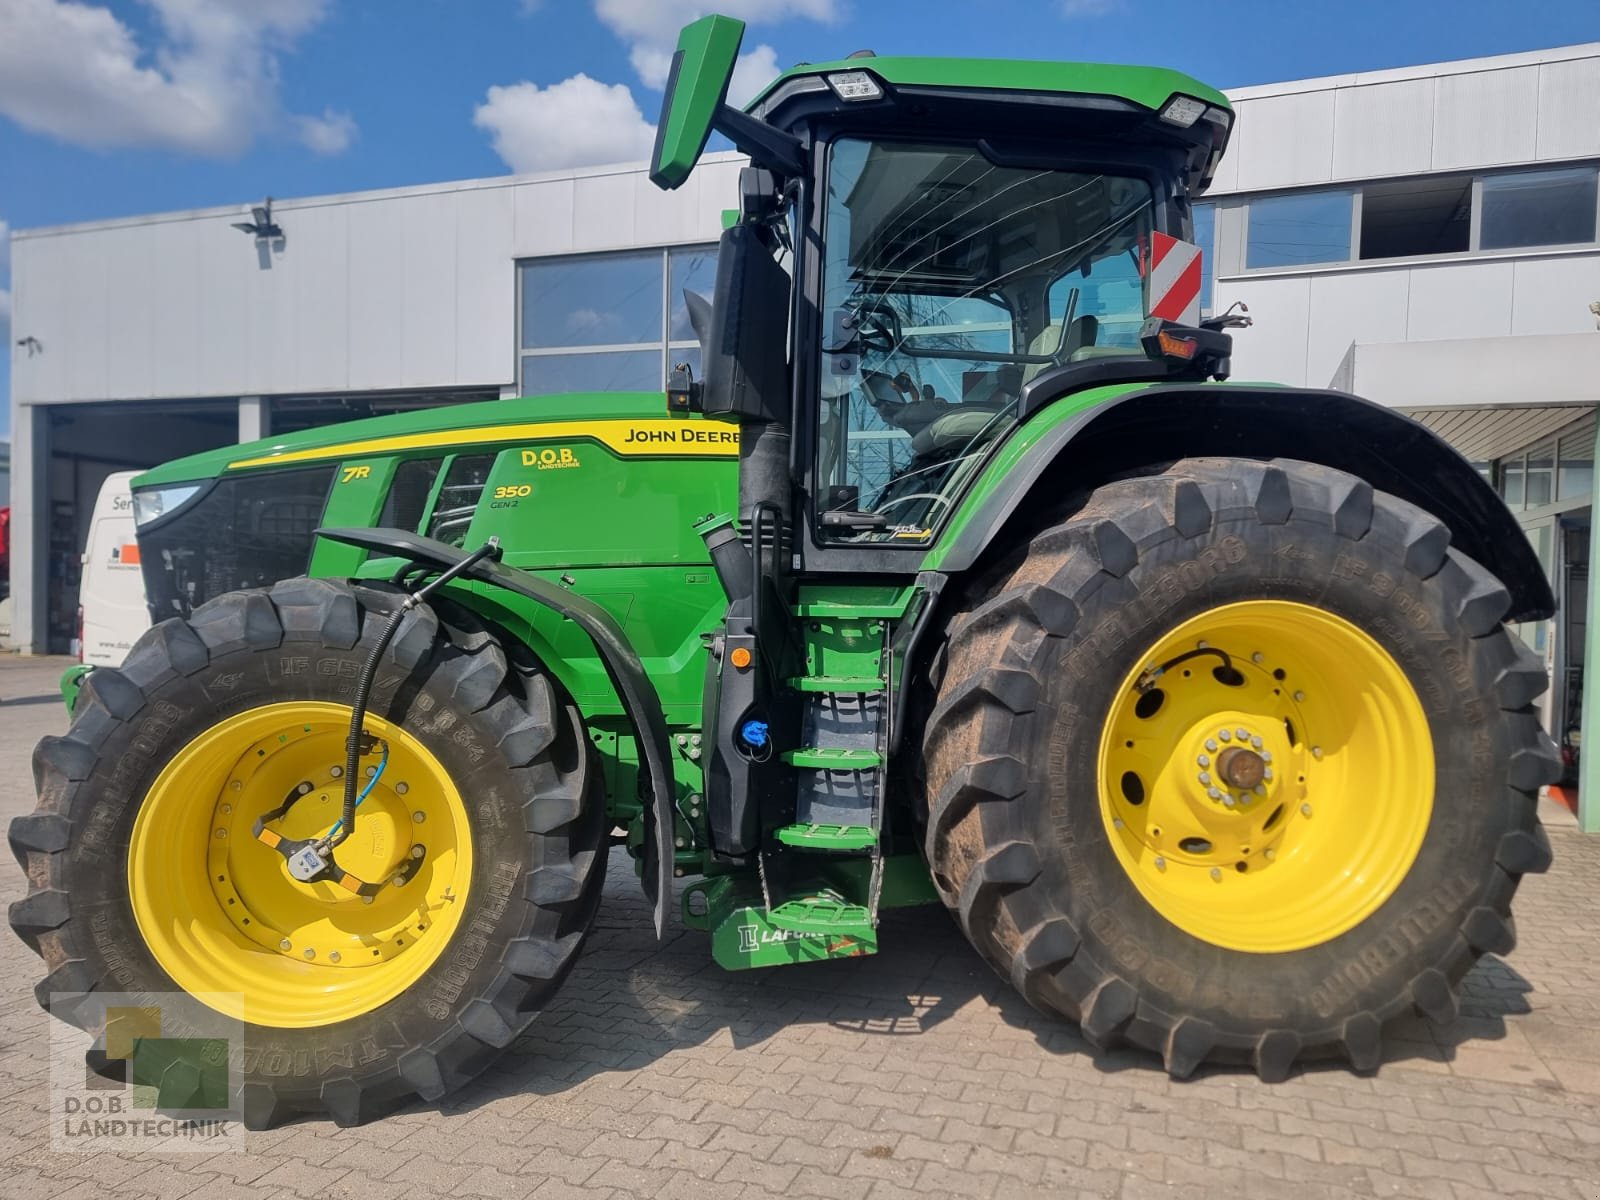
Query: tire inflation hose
point(359, 740)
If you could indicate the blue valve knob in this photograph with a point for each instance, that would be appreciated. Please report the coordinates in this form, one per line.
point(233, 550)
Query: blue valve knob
point(754, 734)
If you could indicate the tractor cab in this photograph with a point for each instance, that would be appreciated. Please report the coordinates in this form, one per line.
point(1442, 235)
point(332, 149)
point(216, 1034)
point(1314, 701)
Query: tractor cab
point(961, 242)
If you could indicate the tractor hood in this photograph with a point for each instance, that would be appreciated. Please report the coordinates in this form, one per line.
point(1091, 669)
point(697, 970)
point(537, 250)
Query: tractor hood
point(433, 427)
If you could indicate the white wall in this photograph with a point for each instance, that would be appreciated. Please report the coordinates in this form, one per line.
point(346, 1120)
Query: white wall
point(407, 289)
point(1542, 106)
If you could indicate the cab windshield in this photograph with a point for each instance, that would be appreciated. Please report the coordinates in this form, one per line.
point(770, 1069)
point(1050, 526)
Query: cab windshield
point(949, 282)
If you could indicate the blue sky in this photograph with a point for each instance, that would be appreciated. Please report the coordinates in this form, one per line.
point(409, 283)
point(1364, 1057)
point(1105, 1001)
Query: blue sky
point(115, 108)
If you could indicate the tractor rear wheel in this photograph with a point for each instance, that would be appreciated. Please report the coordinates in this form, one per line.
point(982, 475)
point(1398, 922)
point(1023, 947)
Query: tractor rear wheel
point(1238, 765)
point(147, 874)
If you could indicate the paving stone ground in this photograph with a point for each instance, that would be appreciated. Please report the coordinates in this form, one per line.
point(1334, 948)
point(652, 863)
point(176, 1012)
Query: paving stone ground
point(914, 1073)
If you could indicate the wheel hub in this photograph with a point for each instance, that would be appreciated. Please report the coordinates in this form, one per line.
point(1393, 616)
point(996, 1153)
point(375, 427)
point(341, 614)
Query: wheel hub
point(1218, 781)
point(237, 928)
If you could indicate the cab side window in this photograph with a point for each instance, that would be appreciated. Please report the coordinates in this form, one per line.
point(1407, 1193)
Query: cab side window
point(409, 491)
point(458, 497)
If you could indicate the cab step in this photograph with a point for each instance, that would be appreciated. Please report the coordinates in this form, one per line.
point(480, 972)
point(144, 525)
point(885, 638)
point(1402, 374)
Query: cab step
point(829, 837)
point(824, 913)
point(836, 683)
point(833, 758)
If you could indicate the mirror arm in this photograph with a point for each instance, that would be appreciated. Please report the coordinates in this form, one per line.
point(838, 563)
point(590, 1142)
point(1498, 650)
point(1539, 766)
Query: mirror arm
point(772, 148)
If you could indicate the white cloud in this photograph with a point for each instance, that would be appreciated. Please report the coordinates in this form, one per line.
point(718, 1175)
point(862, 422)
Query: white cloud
point(577, 122)
point(1088, 8)
point(583, 122)
point(650, 29)
point(208, 85)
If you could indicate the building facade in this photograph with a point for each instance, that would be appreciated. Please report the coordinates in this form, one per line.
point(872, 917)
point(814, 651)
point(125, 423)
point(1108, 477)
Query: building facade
point(1425, 237)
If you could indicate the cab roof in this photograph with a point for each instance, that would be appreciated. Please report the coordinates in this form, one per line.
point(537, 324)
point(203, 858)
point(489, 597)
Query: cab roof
point(1149, 87)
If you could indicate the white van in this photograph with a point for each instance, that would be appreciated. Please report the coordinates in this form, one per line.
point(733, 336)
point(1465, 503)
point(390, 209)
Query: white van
point(111, 607)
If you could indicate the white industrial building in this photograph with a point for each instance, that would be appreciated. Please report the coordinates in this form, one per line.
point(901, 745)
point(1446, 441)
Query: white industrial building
point(1426, 237)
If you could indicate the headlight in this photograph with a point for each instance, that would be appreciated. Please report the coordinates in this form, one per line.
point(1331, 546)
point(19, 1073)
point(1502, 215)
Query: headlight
point(158, 502)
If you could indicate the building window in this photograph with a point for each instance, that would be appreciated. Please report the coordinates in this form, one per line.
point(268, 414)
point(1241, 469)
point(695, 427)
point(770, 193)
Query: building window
point(1205, 236)
point(1575, 474)
point(1288, 231)
point(610, 322)
point(1416, 216)
point(1538, 208)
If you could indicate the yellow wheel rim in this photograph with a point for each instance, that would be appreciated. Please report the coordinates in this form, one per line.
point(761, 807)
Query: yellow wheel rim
point(218, 908)
point(1278, 807)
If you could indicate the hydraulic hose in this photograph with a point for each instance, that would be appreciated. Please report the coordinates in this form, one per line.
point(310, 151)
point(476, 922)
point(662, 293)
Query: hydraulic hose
point(357, 741)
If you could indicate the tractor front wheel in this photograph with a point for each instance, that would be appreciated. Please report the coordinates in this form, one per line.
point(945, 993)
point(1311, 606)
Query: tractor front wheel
point(480, 839)
point(1238, 765)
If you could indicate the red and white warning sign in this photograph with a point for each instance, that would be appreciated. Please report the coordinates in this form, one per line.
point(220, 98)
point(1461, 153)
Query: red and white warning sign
point(1174, 279)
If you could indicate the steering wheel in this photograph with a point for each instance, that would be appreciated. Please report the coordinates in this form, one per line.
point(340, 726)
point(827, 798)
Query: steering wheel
point(877, 325)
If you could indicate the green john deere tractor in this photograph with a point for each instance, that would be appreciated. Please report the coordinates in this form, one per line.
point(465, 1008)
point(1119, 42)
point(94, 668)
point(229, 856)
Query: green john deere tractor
point(954, 571)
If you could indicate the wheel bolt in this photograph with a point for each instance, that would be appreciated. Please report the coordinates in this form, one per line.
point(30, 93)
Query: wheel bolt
point(1243, 735)
point(1305, 810)
point(333, 957)
point(1266, 774)
point(1299, 697)
point(222, 833)
point(336, 771)
point(679, 843)
point(1161, 863)
point(310, 953)
point(1211, 744)
point(419, 816)
point(1316, 752)
point(1227, 801)
point(1205, 777)
point(1116, 822)
point(285, 944)
point(1258, 658)
point(371, 771)
point(400, 789)
point(1255, 743)
point(1204, 760)
point(226, 809)
point(1266, 756)
point(416, 852)
point(1216, 874)
point(1271, 854)
point(1214, 793)
point(366, 899)
point(237, 784)
point(1260, 790)
point(1202, 645)
point(303, 788)
point(1225, 735)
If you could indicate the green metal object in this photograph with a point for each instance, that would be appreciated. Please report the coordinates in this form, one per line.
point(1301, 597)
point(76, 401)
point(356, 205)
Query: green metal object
point(1148, 87)
point(697, 87)
point(828, 837)
point(72, 683)
point(833, 759)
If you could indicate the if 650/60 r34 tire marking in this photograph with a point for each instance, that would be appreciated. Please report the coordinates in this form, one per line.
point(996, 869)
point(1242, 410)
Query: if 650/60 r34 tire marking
point(1015, 833)
point(511, 742)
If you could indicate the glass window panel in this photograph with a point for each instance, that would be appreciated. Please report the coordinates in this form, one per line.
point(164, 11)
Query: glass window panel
point(1205, 236)
point(1416, 216)
point(1576, 477)
point(1538, 208)
point(1541, 475)
point(693, 268)
point(1511, 482)
point(408, 493)
point(1286, 231)
point(611, 371)
point(598, 300)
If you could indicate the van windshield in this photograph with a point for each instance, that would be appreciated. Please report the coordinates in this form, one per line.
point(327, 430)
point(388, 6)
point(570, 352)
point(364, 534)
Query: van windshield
point(949, 282)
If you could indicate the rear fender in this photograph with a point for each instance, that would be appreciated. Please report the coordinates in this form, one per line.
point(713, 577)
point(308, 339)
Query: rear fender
point(1160, 424)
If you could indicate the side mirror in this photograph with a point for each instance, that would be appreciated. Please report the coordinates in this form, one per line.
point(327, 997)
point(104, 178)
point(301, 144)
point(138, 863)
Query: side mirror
point(745, 355)
point(697, 88)
point(696, 102)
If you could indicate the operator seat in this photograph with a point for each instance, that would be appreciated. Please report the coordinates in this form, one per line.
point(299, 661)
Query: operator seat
point(957, 428)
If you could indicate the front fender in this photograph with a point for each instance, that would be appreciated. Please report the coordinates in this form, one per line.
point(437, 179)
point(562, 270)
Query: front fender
point(1089, 438)
point(638, 695)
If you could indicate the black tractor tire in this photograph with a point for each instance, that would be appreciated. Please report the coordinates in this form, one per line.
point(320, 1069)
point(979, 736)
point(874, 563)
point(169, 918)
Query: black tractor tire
point(1015, 835)
point(511, 740)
